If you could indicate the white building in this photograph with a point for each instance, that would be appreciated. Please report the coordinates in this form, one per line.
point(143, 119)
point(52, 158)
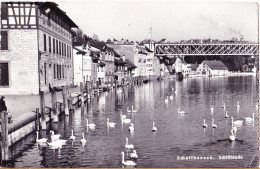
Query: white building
point(212, 68)
point(81, 55)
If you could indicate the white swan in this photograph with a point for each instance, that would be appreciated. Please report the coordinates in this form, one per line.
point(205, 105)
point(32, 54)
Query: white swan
point(54, 137)
point(234, 129)
point(42, 140)
point(83, 140)
point(237, 122)
point(166, 100)
point(128, 146)
point(224, 106)
point(232, 137)
point(131, 127)
point(110, 124)
point(122, 116)
point(56, 144)
point(128, 162)
point(226, 115)
point(212, 109)
point(256, 106)
point(171, 97)
point(250, 119)
point(128, 110)
point(214, 125)
point(181, 112)
point(91, 125)
point(154, 129)
point(238, 106)
point(134, 154)
point(204, 124)
point(126, 121)
point(72, 137)
point(134, 111)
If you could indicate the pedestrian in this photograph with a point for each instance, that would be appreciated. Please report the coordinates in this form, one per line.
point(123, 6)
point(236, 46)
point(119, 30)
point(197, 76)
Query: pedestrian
point(2, 104)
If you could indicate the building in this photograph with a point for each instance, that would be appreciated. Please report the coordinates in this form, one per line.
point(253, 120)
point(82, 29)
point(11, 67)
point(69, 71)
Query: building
point(212, 68)
point(121, 71)
point(36, 47)
point(81, 58)
point(107, 55)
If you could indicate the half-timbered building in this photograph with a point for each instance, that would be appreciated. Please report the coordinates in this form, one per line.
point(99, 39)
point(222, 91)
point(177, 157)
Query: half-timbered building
point(36, 47)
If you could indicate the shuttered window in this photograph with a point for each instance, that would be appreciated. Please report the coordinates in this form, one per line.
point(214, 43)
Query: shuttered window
point(4, 74)
point(4, 40)
point(49, 44)
point(44, 41)
point(4, 11)
point(53, 44)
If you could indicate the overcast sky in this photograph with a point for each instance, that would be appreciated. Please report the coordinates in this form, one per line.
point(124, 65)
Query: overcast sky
point(173, 20)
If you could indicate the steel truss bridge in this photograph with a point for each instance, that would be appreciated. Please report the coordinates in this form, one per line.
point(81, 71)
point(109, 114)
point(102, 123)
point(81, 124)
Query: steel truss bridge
point(168, 50)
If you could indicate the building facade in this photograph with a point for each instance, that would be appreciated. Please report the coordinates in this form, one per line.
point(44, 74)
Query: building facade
point(36, 47)
point(212, 68)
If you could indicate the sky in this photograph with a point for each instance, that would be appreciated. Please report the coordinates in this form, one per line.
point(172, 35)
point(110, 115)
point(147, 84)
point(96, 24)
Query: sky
point(173, 20)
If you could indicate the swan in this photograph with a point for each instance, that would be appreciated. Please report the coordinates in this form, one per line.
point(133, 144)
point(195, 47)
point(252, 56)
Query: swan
point(128, 110)
point(56, 143)
point(42, 140)
point(205, 125)
point(128, 146)
point(237, 122)
point(72, 137)
point(256, 106)
point(214, 125)
point(54, 137)
point(83, 140)
point(211, 109)
point(128, 162)
point(131, 127)
point(134, 111)
point(224, 106)
point(181, 112)
point(154, 129)
point(232, 137)
point(134, 154)
point(171, 97)
point(122, 116)
point(250, 119)
point(238, 106)
point(126, 121)
point(234, 129)
point(226, 115)
point(166, 100)
point(90, 124)
point(110, 124)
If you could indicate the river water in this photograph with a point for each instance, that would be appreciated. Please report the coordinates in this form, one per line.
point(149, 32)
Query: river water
point(178, 136)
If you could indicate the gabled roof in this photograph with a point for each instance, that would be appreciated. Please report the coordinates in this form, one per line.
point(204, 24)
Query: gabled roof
point(129, 64)
point(124, 50)
point(54, 7)
point(120, 61)
point(215, 65)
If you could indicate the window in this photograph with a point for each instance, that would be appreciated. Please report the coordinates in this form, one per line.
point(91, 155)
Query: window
point(44, 41)
point(4, 75)
point(62, 71)
point(53, 43)
point(54, 72)
point(4, 11)
point(70, 51)
point(49, 44)
point(67, 51)
point(57, 47)
point(4, 40)
point(62, 48)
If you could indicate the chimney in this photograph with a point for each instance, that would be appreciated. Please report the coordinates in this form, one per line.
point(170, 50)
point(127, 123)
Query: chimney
point(123, 57)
